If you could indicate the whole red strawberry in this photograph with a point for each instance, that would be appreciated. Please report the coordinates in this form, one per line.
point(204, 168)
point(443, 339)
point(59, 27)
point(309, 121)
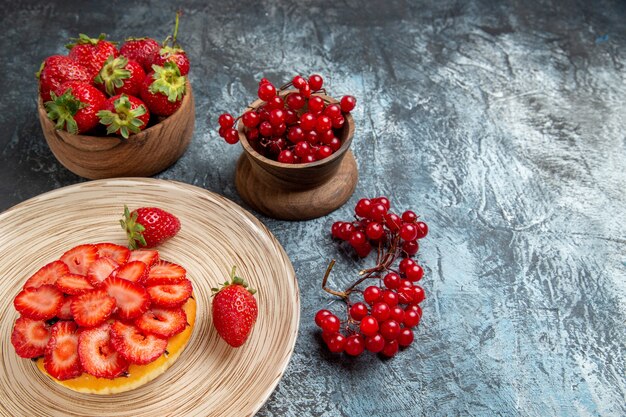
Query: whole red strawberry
point(163, 89)
point(234, 310)
point(124, 115)
point(149, 226)
point(57, 69)
point(120, 76)
point(172, 52)
point(74, 106)
point(142, 50)
point(91, 52)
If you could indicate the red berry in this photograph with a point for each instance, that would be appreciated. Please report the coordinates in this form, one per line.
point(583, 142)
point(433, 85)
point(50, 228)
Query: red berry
point(390, 349)
point(357, 239)
point(354, 345)
point(411, 247)
point(372, 294)
point(347, 103)
point(291, 117)
point(414, 272)
point(378, 212)
point(411, 318)
point(346, 231)
point(363, 207)
point(369, 326)
point(298, 82)
point(405, 295)
point(308, 159)
point(418, 294)
point(330, 323)
point(408, 232)
point(335, 144)
point(409, 216)
point(252, 134)
point(390, 297)
point(316, 82)
point(336, 343)
point(302, 149)
point(392, 280)
point(295, 134)
point(226, 120)
point(406, 263)
point(305, 90)
point(264, 81)
point(393, 222)
point(250, 119)
point(398, 314)
point(321, 315)
point(312, 137)
point(275, 102)
point(323, 124)
point(358, 311)
point(422, 229)
point(374, 231)
point(266, 91)
point(384, 201)
point(286, 157)
point(277, 117)
point(307, 121)
point(334, 230)
point(323, 152)
point(338, 122)
point(390, 329)
point(375, 343)
point(316, 104)
point(327, 136)
point(405, 338)
point(295, 101)
point(265, 128)
point(381, 311)
point(332, 111)
point(231, 136)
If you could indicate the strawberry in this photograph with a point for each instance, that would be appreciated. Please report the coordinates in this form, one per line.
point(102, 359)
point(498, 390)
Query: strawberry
point(124, 115)
point(234, 310)
point(61, 357)
point(163, 89)
point(57, 69)
point(135, 346)
point(170, 295)
point(91, 52)
point(72, 284)
point(30, 337)
point(118, 253)
point(65, 311)
point(92, 308)
point(80, 258)
point(146, 256)
point(134, 271)
point(97, 355)
point(141, 50)
point(74, 106)
point(149, 226)
point(172, 53)
point(132, 299)
point(41, 303)
point(164, 272)
point(100, 270)
point(162, 322)
point(48, 274)
point(120, 76)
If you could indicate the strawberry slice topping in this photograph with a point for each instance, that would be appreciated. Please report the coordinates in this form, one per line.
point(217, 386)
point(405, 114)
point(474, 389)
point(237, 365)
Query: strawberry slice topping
point(80, 258)
point(65, 311)
point(73, 284)
point(97, 355)
point(135, 346)
point(92, 308)
point(132, 299)
point(164, 272)
point(41, 303)
point(48, 274)
point(100, 270)
point(61, 358)
point(135, 271)
point(30, 337)
point(170, 295)
point(118, 253)
point(148, 257)
point(162, 322)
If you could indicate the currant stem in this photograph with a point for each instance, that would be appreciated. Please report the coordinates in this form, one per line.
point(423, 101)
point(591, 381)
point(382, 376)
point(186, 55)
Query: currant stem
point(341, 294)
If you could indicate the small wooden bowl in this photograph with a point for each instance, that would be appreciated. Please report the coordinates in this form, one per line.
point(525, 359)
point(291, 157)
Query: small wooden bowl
point(141, 155)
point(297, 191)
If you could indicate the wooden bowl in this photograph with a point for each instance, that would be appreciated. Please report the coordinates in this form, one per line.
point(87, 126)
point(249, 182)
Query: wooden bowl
point(141, 155)
point(297, 191)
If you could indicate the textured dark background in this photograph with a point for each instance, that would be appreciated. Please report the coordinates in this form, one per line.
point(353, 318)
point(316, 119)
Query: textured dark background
point(502, 125)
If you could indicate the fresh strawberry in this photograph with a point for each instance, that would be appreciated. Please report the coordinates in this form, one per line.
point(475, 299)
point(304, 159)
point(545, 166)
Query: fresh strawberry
point(74, 106)
point(162, 322)
point(170, 295)
point(97, 355)
point(100, 270)
point(234, 310)
point(41, 303)
point(148, 257)
point(30, 337)
point(72, 284)
point(163, 89)
point(92, 308)
point(164, 272)
point(65, 311)
point(120, 76)
point(57, 69)
point(118, 253)
point(61, 357)
point(48, 274)
point(142, 50)
point(172, 52)
point(134, 271)
point(124, 115)
point(80, 258)
point(132, 299)
point(148, 226)
point(135, 346)
point(91, 52)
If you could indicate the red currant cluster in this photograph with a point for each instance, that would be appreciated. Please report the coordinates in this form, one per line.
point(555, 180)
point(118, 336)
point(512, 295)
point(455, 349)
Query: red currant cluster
point(383, 321)
point(299, 128)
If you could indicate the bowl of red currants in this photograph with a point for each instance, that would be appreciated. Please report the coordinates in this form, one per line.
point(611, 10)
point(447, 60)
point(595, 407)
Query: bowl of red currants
point(296, 140)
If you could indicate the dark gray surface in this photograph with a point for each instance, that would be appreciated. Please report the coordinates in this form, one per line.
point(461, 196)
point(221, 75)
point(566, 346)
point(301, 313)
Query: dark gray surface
point(503, 126)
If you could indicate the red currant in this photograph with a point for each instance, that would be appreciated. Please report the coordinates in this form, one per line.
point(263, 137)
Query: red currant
point(277, 117)
point(267, 91)
point(312, 137)
point(422, 229)
point(330, 323)
point(358, 311)
point(392, 280)
point(354, 345)
point(375, 343)
point(279, 129)
point(418, 294)
point(336, 343)
point(320, 315)
point(405, 264)
point(298, 81)
point(363, 207)
point(302, 149)
point(384, 201)
point(397, 314)
point(411, 318)
point(250, 119)
point(390, 329)
point(332, 111)
point(327, 136)
point(323, 152)
point(316, 82)
point(307, 121)
point(291, 117)
point(231, 136)
point(252, 134)
point(411, 247)
point(323, 124)
point(414, 307)
point(347, 103)
point(378, 212)
point(405, 338)
point(381, 311)
point(295, 134)
point(414, 272)
point(295, 101)
point(369, 326)
point(265, 128)
point(338, 122)
point(226, 120)
point(316, 104)
point(307, 159)
point(409, 216)
point(393, 222)
point(275, 102)
point(334, 230)
point(371, 294)
point(346, 231)
point(390, 349)
point(305, 90)
point(408, 232)
point(375, 231)
point(286, 157)
point(405, 295)
point(357, 239)
point(390, 297)
point(335, 144)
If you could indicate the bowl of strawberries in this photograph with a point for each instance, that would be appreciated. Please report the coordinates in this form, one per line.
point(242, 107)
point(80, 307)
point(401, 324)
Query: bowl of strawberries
point(108, 112)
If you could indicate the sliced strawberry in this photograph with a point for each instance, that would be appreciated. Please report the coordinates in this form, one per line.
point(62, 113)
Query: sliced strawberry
point(134, 271)
point(148, 257)
point(73, 284)
point(170, 295)
point(118, 253)
point(162, 322)
point(61, 358)
point(97, 355)
point(164, 272)
point(48, 274)
point(65, 311)
point(134, 345)
point(132, 299)
point(30, 337)
point(40, 303)
point(80, 258)
point(92, 308)
point(100, 270)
